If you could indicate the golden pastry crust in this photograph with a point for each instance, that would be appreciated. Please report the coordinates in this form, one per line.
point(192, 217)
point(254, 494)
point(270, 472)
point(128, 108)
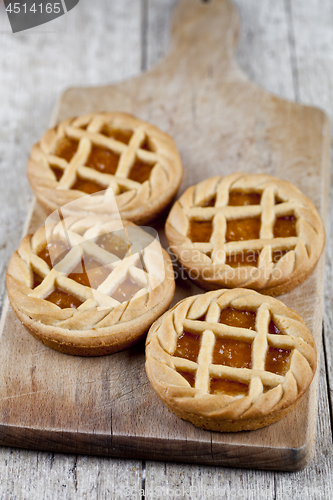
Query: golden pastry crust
point(107, 316)
point(279, 263)
point(269, 392)
point(124, 141)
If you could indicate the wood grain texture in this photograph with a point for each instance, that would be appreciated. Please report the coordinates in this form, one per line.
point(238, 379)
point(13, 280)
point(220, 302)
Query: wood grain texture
point(262, 25)
point(35, 69)
point(44, 475)
point(319, 61)
point(223, 121)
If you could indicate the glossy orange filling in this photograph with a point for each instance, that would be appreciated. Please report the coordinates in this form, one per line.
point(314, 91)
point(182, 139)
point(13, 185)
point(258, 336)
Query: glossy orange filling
point(243, 229)
point(66, 148)
point(103, 160)
point(245, 258)
point(190, 377)
point(113, 244)
point(277, 360)
point(285, 227)
point(237, 199)
point(126, 290)
point(146, 146)
point(273, 329)
point(123, 136)
point(58, 172)
point(63, 299)
point(238, 318)
point(200, 231)
point(209, 203)
point(87, 186)
point(89, 272)
point(56, 250)
point(140, 172)
point(36, 280)
point(188, 346)
point(231, 352)
point(229, 387)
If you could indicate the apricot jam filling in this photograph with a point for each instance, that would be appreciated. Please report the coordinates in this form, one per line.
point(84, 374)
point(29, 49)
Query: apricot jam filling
point(238, 199)
point(126, 290)
point(123, 136)
point(140, 172)
point(285, 227)
point(245, 258)
point(278, 254)
point(113, 244)
point(277, 360)
point(54, 250)
point(87, 186)
point(36, 279)
point(273, 329)
point(66, 148)
point(229, 387)
point(243, 229)
point(238, 318)
point(188, 346)
point(209, 203)
point(89, 272)
point(58, 172)
point(146, 146)
point(103, 160)
point(200, 231)
point(230, 352)
point(190, 377)
point(63, 299)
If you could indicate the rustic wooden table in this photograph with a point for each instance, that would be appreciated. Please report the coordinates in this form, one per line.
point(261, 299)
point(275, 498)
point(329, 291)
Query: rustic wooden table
point(286, 46)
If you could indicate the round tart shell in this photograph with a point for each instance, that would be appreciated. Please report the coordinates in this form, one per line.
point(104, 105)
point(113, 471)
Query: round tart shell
point(271, 279)
point(134, 320)
point(99, 342)
point(218, 412)
point(141, 203)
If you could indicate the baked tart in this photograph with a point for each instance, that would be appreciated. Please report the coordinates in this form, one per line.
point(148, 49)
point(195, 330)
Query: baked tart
point(230, 360)
point(89, 286)
point(106, 151)
point(246, 230)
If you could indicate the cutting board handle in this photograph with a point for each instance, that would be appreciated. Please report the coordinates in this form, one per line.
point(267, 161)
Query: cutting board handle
point(204, 35)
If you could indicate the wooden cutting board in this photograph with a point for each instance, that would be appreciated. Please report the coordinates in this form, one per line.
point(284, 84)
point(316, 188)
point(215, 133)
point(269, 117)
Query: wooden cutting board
point(222, 123)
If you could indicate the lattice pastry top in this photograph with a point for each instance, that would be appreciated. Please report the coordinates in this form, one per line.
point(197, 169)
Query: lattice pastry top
point(230, 360)
point(89, 286)
point(102, 151)
point(246, 230)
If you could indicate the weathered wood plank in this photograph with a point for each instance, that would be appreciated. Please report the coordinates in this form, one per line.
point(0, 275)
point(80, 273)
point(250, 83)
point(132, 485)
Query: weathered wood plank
point(222, 120)
point(258, 29)
point(314, 42)
point(287, 479)
point(310, 26)
point(30, 475)
point(263, 49)
point(35, 68)
point(158, 30)
point(315, 481)
point(95, 45)
point(265, 53)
